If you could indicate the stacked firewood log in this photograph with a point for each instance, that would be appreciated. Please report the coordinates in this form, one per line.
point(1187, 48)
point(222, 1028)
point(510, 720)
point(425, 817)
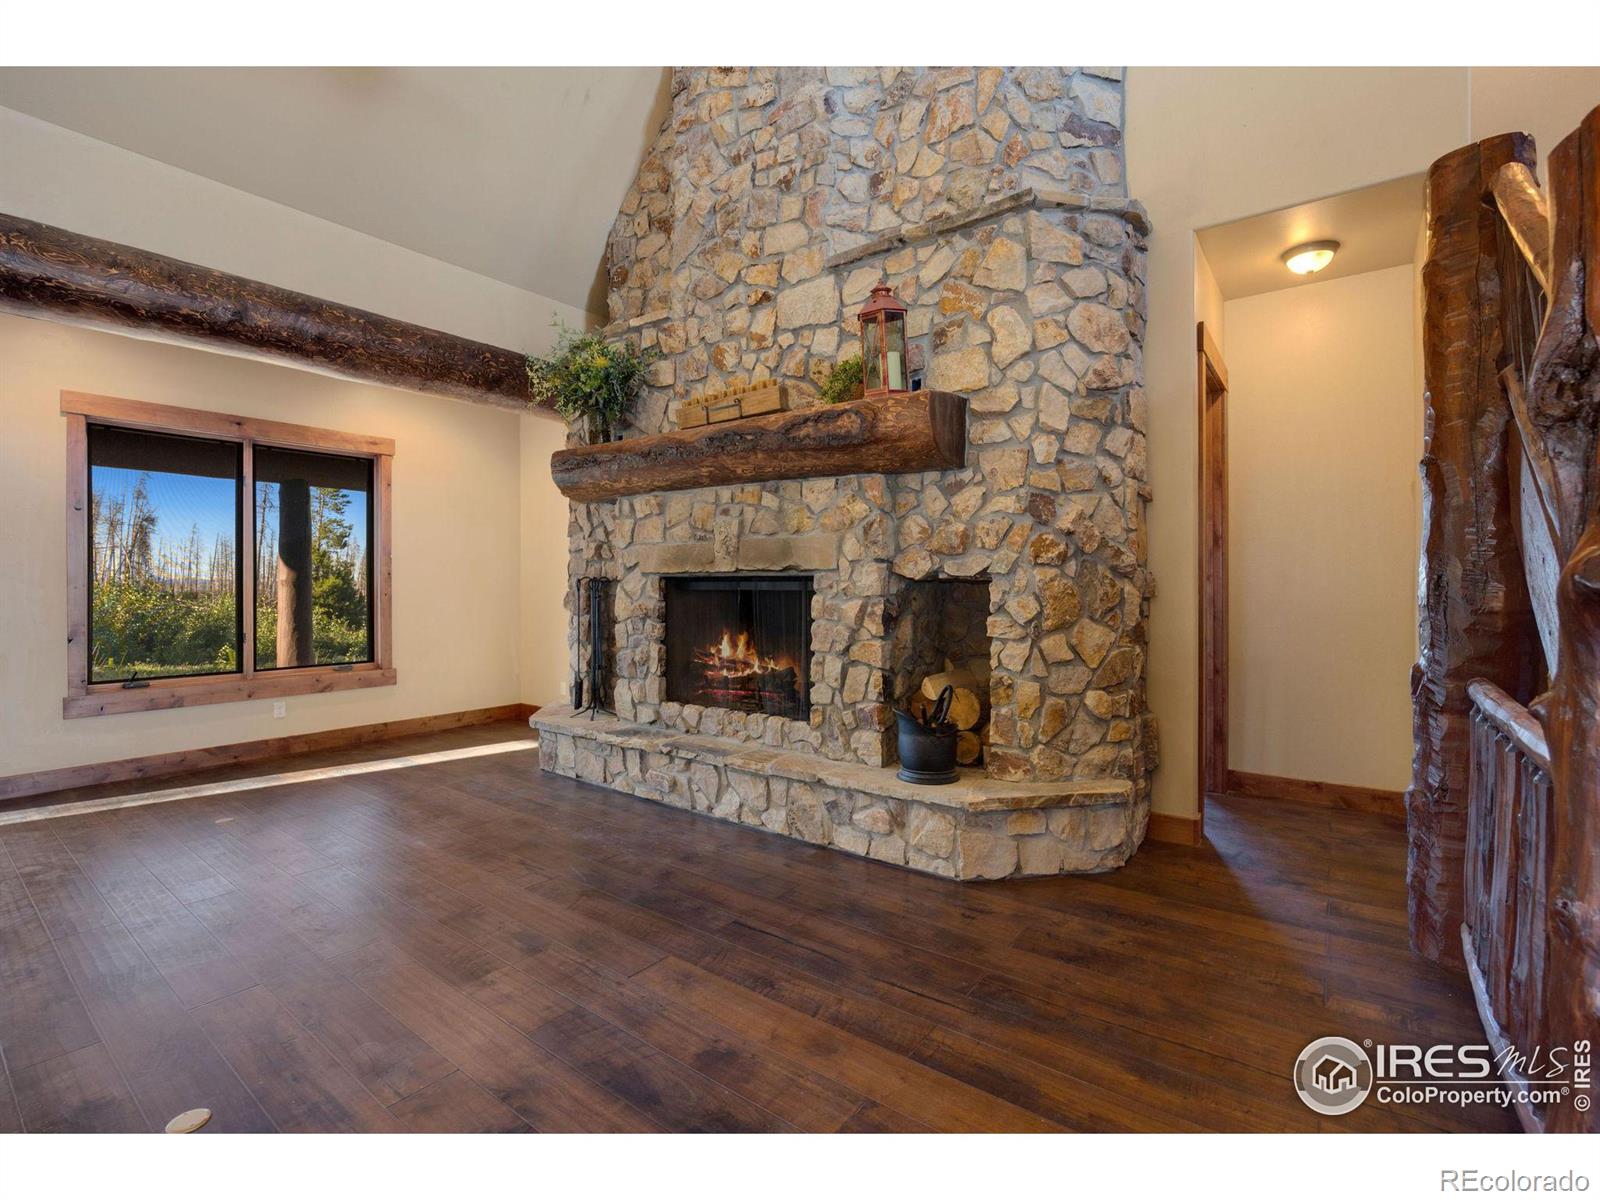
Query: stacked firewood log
point(969, 705)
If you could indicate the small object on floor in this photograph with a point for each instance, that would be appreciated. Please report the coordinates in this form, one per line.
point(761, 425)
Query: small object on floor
point(188, 1122)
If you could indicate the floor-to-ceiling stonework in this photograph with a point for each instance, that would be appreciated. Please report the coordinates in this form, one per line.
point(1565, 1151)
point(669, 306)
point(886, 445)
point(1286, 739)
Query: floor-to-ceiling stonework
point(992, 201)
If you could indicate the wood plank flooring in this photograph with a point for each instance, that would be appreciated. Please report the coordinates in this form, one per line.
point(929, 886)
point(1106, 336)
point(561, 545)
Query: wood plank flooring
point(474, 945)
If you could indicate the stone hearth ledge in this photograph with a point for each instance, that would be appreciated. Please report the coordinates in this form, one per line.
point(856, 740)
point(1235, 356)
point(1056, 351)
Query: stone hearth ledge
point(978, 828)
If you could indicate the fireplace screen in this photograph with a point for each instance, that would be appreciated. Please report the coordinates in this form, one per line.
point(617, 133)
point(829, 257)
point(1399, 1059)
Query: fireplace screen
point(740, 642)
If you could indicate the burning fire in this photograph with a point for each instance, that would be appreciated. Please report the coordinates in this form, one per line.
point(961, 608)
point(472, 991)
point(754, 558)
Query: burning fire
point(734, 656)
point(731, 671)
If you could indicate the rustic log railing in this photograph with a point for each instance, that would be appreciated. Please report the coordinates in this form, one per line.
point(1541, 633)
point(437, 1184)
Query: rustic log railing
point(1505, 934)
point(1475, 621)
point(1504, 809)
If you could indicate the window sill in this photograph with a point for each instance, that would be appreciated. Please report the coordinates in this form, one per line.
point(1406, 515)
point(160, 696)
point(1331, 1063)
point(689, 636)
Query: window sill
point(104, 699)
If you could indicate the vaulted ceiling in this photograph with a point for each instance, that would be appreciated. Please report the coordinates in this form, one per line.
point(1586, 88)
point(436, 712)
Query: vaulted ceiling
point(515, 173)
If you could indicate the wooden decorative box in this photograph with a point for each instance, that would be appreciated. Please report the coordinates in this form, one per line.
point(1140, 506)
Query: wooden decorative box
point(730, 404)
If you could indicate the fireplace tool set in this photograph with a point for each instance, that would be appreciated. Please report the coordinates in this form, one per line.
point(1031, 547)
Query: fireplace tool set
point(592, 595)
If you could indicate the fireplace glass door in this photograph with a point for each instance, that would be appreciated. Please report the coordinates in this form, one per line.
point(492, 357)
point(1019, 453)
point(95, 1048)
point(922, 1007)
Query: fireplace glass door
point(741, 642)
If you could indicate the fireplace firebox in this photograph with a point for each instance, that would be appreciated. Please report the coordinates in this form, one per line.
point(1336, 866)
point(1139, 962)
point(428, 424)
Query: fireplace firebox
point(741, 642)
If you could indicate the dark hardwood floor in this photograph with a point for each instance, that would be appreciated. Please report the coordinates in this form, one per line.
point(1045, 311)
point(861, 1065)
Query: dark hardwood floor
point(472, 945)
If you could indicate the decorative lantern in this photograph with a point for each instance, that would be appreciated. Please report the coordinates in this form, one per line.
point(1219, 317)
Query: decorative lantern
point(883, 344)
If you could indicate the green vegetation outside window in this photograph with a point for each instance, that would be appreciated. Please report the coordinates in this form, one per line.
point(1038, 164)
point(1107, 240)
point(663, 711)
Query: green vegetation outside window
point(164, 522)
point(313, 522)
point(167, 520)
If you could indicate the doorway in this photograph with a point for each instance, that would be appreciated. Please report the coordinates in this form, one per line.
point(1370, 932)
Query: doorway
point(1212, 386)
point(1309, 436)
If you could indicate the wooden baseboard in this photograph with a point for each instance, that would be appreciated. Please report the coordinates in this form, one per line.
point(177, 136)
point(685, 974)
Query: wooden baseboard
point(157, 766)
point(1179, 831)
point(1307, 791)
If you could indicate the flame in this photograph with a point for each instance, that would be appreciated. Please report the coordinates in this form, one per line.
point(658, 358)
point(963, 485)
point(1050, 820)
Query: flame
point(735, 655)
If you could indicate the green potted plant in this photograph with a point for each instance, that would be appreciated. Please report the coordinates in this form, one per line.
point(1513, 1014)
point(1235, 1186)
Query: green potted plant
point(844, 382)
point(586, 378)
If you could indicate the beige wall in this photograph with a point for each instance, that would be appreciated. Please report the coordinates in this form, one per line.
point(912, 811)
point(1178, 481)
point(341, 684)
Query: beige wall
point(542, 616)
point(457, 577)
point(1208, 145)
point(1322, 560)
point(1208, 303)
point(471, 597)
point(1547, 102)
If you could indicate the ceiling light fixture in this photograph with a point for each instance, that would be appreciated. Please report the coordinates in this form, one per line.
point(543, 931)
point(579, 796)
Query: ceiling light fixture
point(1309, 257)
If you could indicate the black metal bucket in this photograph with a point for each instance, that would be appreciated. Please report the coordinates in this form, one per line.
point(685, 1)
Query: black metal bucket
point(926, 756)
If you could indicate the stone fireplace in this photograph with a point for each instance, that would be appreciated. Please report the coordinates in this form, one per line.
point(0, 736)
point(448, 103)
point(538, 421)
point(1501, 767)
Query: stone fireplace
point(991, 200)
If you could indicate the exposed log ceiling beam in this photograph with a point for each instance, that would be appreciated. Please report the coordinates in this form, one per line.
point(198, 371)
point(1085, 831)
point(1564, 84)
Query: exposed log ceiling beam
point(63, 276)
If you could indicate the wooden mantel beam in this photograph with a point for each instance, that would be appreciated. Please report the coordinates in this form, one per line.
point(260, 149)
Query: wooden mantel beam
point(63, 276)
point(905, 432)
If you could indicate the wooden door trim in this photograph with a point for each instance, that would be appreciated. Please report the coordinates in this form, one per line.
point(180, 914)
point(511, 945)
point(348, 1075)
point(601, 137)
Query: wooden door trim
point(1211, 386)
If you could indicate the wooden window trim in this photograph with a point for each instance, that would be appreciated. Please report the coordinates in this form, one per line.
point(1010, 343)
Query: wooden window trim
point(86, 699)
point(167, 418)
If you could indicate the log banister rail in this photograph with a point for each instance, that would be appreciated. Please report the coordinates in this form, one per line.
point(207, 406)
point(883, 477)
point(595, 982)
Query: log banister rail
point(1505, 930)
point(1511, 719)
point(1522, 206)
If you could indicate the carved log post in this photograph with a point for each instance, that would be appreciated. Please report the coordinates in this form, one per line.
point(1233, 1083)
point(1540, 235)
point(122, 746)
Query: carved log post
point(1474, 616)
point(1572, 724)
point(294, 574)
point(1564, 398)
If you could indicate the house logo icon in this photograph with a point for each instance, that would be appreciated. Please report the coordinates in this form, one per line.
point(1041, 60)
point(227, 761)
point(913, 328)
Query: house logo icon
point(1333, 1076)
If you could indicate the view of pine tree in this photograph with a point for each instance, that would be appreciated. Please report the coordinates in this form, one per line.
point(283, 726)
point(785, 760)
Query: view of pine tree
point(339, 606)
point(336, 559)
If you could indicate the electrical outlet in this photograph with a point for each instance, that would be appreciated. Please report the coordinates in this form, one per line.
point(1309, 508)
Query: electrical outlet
point(280, 708)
